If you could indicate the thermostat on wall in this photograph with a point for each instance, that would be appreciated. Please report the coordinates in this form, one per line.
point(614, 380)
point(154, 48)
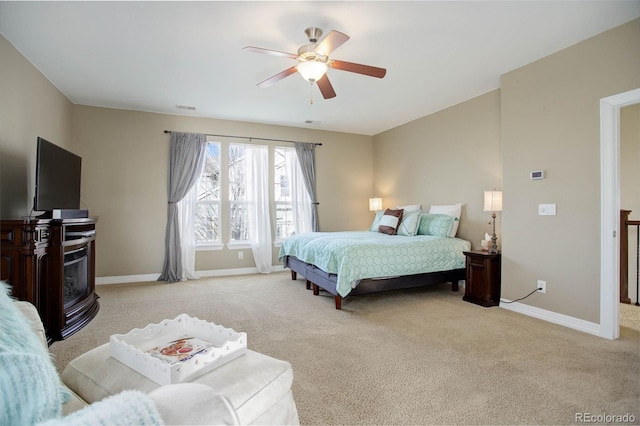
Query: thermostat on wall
point(537, 174)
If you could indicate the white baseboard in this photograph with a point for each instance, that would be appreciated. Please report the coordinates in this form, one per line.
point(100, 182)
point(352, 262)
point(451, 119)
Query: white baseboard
point(122, 279)
point(553, 317)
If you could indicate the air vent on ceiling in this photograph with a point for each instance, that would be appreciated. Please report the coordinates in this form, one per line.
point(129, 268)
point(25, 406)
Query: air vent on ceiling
point(186, 107)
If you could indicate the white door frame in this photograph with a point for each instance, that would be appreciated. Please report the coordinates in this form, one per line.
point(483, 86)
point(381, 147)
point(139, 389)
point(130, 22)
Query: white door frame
point(610, 209)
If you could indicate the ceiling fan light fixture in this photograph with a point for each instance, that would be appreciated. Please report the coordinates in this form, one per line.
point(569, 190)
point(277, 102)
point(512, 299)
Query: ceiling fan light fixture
point(312, 70)
point(313, 61)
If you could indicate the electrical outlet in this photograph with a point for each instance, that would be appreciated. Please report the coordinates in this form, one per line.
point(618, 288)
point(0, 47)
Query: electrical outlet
point(542, 285)
point(240, 255)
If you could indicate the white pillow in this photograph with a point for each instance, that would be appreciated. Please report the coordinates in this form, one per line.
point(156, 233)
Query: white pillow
point(410, 207)
point(409, 224)
point(454, 210)
point(376, 221)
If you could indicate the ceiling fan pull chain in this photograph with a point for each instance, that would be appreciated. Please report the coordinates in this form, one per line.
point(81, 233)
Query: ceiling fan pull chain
point(311, 93)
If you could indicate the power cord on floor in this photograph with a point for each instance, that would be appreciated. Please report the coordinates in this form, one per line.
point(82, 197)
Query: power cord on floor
point(537, 289)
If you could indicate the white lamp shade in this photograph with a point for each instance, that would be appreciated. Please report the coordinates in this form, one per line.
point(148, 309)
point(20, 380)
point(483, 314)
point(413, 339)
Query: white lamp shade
point(312, 70)
point(375, 204)
point(492, 201)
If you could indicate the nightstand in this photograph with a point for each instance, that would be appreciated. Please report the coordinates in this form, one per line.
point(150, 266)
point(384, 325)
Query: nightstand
point(482, 285)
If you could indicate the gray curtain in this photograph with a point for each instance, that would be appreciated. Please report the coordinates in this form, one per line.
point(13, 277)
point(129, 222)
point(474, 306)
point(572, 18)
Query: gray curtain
point(186, 155)
point(307, 157)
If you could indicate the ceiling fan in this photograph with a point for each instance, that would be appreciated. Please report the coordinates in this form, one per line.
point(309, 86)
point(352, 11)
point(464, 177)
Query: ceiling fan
point(314, 61)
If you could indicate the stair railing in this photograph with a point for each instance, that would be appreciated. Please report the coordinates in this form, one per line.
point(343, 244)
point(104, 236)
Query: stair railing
point(625, 223)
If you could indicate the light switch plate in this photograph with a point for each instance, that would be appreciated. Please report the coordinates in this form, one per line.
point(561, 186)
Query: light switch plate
point(546, 209)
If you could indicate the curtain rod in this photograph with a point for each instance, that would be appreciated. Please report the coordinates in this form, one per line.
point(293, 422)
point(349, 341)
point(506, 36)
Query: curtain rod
point(250, 138)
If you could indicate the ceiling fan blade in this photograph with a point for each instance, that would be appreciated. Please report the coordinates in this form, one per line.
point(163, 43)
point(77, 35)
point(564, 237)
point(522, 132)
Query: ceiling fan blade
point(358, 68)
point(271, 80)
point(269, 52)
point(331, 42)
point(326, 88)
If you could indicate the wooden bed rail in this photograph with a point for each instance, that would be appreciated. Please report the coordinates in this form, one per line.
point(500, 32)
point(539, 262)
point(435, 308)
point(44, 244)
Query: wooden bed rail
point(625, 223)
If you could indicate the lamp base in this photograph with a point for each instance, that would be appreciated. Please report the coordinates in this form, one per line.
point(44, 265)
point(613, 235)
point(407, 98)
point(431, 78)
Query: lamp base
point(494, 240)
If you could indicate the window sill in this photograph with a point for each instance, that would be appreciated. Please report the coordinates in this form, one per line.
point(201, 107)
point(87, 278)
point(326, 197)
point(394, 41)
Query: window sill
point(209, 247)
point(238, 246)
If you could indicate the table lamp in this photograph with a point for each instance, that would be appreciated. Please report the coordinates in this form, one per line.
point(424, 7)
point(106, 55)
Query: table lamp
point(375, 204)
point(493, 204)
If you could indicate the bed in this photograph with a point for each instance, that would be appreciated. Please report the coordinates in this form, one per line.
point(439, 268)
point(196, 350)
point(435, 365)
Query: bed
point(358, 262)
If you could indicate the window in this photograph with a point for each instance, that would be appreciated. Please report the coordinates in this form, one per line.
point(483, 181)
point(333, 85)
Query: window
point(221, 210)
point(238, 221)
point(207, 211)
point(282, 193)
point(291, 199)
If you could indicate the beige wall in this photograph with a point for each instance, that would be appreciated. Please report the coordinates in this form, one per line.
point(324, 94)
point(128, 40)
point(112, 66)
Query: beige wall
point(125, 157)
point(448, 157)
point(550, 121)
point(630, 180)
point(546, 116)
point(30, 106)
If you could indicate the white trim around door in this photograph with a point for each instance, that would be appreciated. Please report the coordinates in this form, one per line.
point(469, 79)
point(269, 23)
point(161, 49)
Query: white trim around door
point(610, 209)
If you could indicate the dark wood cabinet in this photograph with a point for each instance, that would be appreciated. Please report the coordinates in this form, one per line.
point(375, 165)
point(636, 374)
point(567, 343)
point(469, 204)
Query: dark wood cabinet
point(483, 272)
point(23, 258)
point(51, 263)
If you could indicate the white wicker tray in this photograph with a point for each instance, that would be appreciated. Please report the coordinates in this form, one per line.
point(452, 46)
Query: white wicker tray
point(212, 346)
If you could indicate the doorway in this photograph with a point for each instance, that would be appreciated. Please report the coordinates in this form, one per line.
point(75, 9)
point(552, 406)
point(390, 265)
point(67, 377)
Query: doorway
point(610, 209)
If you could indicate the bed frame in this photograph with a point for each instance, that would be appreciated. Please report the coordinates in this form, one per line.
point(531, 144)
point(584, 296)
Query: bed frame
point(317, 279)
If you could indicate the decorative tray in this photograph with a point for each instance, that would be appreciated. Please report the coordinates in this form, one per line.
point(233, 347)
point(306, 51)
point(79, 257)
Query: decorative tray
point(177, 350)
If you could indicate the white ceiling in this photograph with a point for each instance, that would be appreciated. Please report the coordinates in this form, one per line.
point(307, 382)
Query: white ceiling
point(152, 56)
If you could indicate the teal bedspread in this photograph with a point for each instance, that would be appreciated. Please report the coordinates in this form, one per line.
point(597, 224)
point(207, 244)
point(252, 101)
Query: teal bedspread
point(356, 255)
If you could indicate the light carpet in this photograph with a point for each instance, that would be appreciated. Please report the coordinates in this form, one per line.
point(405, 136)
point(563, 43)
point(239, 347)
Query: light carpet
point(629, 315)
point(414, 357)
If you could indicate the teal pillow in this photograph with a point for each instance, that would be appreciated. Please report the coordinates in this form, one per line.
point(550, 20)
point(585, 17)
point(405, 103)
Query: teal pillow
point(438, 225)
point(409, 224)
point(30, 388)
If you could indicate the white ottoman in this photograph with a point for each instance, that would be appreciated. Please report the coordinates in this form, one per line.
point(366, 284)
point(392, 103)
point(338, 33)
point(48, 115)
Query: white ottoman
point(258, 386)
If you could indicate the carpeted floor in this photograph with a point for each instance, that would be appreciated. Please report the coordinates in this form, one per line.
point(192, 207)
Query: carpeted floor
point(629, 316)
point(412, 357)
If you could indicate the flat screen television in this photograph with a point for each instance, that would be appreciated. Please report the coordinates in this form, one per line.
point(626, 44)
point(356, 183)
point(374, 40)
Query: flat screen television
point(58, 174)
